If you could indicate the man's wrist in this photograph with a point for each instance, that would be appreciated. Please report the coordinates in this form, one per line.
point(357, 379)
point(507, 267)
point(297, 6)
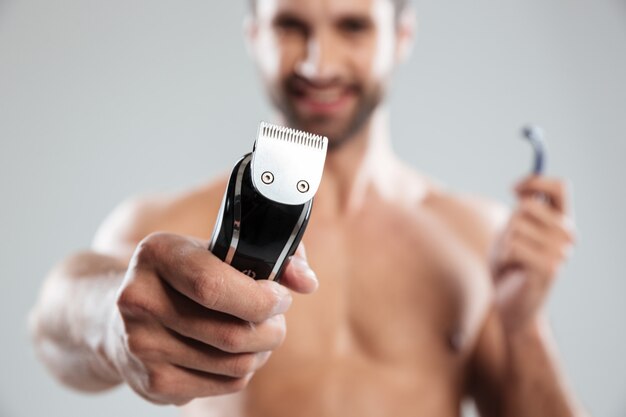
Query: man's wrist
point(108, 350)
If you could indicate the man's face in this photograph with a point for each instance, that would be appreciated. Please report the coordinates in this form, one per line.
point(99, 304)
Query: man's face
point(325, 63)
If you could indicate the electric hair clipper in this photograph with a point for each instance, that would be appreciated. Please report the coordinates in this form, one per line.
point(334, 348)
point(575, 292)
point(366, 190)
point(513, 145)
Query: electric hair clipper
point(268, 200)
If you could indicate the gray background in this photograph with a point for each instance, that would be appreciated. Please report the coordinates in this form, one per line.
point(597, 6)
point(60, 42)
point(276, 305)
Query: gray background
point(100, 100)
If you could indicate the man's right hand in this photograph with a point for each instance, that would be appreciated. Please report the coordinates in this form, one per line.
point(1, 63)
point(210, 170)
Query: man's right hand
point(187, 325)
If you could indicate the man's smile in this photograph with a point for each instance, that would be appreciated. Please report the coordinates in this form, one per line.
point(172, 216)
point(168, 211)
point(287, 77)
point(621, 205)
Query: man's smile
point(322, 100)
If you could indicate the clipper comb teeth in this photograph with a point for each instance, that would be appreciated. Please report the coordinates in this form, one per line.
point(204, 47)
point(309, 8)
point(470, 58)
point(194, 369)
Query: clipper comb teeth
point(288, 134)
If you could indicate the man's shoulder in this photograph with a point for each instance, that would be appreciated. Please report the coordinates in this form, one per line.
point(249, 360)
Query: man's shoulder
point(190, 212)
point(476, 219)
point(473, 219)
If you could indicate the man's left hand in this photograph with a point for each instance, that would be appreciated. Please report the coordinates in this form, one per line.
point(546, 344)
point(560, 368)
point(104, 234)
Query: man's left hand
point(535, 243)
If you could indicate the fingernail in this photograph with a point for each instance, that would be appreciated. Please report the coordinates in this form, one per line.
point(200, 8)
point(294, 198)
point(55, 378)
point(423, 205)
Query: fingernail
point(262, 358)
point(303, 269)
point(284, 299)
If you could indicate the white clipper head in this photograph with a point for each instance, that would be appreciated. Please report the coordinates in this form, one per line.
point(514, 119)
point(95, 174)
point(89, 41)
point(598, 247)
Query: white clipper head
point(287, 164)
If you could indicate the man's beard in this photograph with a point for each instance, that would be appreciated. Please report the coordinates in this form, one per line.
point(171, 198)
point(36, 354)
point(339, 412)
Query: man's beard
point(338, 133)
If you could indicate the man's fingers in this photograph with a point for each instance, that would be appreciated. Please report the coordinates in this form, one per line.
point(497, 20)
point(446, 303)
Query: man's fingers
point(190, 268)
point(156, 344)
point(298, 275)
point(556, 190)
point(521, 228)
point(225, 332)
point(521, 253)
point(191, 354)
point(554, 223)
point(171, 384)
point(528, 233)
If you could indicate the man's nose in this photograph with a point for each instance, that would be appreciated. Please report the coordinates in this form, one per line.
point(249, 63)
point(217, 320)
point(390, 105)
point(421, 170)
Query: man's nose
point(321, 61)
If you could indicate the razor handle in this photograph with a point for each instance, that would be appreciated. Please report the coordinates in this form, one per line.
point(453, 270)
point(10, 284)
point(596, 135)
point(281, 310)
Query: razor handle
point(254, 234)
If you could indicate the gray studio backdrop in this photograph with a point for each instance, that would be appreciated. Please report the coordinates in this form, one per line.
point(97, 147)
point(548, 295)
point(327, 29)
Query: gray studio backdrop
point(100, 100)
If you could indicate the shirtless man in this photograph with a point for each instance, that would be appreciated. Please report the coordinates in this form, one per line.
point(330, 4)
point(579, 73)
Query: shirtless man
point(425, 296)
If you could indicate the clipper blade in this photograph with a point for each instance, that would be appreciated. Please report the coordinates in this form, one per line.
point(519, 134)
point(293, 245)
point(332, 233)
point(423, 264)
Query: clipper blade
point(287, 164)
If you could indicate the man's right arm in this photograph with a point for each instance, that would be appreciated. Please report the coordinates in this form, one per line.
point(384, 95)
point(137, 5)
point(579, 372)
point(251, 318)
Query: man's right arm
point(172, 320)
point(70, 321)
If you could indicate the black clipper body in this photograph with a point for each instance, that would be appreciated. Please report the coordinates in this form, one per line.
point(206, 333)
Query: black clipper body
point(267, 203)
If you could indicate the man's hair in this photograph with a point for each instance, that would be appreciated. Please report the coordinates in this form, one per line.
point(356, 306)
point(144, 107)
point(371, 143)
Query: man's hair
point(399, 4)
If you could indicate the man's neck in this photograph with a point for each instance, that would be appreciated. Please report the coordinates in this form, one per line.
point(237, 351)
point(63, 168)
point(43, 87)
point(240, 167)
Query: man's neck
point(365, 160)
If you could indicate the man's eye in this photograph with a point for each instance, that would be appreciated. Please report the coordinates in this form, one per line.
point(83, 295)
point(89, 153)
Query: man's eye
point(354, 26)
point(288, 24)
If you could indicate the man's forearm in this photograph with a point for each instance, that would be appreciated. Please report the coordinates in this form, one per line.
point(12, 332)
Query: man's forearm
point(535, 386)
point(70, 321)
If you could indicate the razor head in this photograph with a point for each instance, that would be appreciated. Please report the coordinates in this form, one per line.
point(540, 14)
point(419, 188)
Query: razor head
point(534, 135)
point(287, 164)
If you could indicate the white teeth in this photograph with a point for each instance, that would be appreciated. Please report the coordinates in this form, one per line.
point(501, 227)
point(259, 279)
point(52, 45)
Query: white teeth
point(325, 96)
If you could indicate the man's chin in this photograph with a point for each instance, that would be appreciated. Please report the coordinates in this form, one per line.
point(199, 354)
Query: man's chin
point(337, 131)
point(338, 127)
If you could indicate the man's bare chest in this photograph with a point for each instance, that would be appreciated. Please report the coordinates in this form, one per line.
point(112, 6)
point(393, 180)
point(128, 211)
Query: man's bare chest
point(384, 323)
point(388, 286)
